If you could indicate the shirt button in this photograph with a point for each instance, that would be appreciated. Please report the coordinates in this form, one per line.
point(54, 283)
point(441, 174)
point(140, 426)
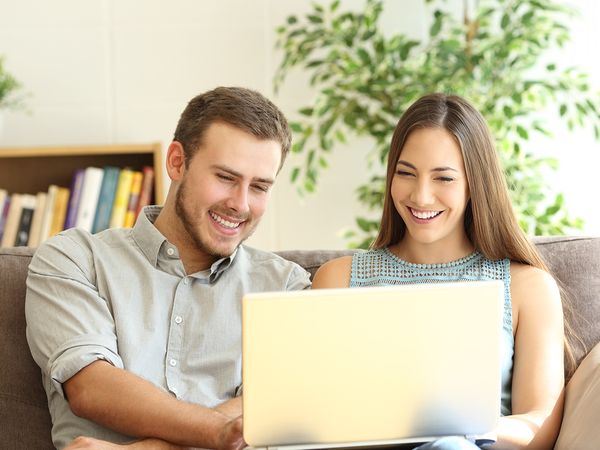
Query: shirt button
point(172, 362)
point(186, 280)
point(170, 251)
point(178, 319)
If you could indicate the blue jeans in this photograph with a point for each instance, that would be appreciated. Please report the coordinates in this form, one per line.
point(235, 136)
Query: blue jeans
point(449, 443)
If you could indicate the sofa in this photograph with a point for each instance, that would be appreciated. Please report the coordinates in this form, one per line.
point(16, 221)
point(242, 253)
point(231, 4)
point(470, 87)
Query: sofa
point(574, 261)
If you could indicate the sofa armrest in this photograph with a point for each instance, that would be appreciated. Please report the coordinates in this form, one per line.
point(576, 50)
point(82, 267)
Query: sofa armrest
point(579, 428)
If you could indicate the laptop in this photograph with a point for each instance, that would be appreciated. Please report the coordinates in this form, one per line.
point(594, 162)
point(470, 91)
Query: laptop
point(366, 367)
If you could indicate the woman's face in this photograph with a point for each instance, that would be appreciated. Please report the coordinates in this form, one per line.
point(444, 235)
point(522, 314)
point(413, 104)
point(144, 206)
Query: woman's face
point(430, 189)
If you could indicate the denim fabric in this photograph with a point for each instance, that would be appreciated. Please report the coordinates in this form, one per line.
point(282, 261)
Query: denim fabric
point(449, 443)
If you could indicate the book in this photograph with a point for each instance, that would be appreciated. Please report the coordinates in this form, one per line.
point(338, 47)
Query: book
point(36, 221)
point(74, 198)
point(27, 209)
point(147, 189)
point(106, 199)
point(60, 210)
point(4, 204)
point(117, 217)
point(134, 197)
point(48, 213)
point(12, 221)
point(90, 191)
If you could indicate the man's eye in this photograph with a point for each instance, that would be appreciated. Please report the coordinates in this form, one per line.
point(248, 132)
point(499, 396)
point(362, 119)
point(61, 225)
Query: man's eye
point(224, 177)
point(260, 188)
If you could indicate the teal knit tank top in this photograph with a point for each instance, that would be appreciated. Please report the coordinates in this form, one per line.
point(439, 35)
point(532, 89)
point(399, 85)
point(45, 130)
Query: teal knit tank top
point(382, 268)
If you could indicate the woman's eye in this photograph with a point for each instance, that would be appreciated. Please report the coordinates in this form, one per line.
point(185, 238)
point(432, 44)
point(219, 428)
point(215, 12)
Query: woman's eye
point(446, 179)
point(403, 173)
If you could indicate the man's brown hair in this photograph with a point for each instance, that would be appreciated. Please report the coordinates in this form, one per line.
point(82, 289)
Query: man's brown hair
point(242, 108)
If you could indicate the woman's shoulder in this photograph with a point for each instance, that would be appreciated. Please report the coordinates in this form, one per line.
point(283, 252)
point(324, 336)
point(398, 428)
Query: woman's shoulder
point(334, 273)
point(524, 273)
point(532, 287)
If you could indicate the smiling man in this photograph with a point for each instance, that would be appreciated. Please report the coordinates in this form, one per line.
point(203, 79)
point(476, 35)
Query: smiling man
point(138, 331)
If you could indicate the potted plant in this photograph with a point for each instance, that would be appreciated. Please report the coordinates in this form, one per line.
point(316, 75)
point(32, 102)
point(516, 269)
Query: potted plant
point(9, 87)
point(365, 78)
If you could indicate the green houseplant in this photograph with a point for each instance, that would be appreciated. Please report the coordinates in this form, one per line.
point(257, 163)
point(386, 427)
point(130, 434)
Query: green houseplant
point(9, 86)
point(364, 79)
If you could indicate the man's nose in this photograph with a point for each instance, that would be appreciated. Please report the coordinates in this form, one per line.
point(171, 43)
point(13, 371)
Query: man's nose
point(238, 199)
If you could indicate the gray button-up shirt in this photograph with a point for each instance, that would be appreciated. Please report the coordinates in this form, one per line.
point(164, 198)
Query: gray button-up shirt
point(123, 296)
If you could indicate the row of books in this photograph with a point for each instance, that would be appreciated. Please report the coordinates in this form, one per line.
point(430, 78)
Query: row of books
point(97, 199)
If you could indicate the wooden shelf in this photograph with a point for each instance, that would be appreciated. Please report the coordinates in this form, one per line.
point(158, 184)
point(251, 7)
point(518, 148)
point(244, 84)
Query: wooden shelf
point(32, 170)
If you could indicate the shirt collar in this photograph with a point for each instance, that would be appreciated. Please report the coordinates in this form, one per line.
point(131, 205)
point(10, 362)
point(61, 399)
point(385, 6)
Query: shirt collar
point(146, 235)
point(151, 241)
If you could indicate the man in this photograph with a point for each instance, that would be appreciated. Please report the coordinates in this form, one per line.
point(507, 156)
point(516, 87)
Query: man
point(137, 331)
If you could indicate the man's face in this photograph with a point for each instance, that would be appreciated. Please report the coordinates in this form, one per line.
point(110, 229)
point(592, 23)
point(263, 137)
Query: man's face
point(225, 189)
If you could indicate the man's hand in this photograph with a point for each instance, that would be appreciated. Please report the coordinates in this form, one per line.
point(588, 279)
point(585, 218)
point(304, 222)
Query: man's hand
point(88, 443)
point(231, 437)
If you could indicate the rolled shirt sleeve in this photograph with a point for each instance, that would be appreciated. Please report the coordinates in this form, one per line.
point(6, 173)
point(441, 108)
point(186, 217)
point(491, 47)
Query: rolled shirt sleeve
point(69, 325)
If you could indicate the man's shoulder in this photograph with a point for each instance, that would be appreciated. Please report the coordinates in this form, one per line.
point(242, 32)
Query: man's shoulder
point(76, 242)
point(262, 257)
point(271, 268)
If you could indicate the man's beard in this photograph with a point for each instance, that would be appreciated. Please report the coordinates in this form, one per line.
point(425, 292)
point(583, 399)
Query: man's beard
point(191, 230)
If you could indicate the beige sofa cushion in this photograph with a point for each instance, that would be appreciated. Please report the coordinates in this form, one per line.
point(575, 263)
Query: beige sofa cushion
point(580, 428)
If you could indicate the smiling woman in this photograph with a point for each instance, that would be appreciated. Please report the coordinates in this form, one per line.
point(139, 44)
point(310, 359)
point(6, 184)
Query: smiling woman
point(447, 217)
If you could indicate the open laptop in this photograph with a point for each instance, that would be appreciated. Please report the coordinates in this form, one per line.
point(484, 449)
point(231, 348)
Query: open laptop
point(371, 366)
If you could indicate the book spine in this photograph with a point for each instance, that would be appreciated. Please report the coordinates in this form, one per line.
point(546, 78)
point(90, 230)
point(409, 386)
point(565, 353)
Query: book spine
point(117, 218)
point(27, 208)
point(36, 221)
point(146, 190)
point(60, 211)
point(47, 217)
point(12, 221)
point(106, 199)
point(90, 191)
point(134, 197)
point(4, 204)
point(74, 199)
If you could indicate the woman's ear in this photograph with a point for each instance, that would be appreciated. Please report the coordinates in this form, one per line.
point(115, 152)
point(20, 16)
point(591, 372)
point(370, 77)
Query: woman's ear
point(175, 161)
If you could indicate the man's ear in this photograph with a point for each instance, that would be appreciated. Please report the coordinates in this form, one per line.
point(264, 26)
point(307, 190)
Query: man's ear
point(175, 161)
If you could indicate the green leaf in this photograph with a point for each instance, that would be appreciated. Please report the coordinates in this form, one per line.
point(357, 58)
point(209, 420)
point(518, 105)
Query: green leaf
point(292, 20)
point(313, 18)
point(296, 127)
point(306, 112)
point(563, 110)
point(363, 224)
point(522, 132)
point(364, 56)
point(295, 173)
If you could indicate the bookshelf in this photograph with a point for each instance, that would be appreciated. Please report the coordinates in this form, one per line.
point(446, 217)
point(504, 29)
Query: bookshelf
point(32, 170)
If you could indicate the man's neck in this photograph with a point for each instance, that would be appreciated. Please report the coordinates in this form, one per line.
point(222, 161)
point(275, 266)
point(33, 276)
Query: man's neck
point(193, 259)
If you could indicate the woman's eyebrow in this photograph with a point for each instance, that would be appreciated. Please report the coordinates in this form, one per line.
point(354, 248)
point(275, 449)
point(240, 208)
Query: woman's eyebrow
point(435, 169)
point(406, 163)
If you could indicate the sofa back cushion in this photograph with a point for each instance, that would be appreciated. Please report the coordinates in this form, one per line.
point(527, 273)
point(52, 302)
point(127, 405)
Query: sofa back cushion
point(24, 418)
point(575, 263)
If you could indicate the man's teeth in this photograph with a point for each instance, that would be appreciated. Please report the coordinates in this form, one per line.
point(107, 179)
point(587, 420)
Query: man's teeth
point(424, 214)
point(223, 222)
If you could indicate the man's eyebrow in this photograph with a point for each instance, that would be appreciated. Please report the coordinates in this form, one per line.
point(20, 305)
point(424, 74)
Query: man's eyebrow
point(237, 174)
point(435, 169)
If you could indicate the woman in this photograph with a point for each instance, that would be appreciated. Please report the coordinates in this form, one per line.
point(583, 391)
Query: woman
point(447, 217)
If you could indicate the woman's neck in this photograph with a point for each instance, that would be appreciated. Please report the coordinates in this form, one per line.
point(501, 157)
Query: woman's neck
point(431, 253)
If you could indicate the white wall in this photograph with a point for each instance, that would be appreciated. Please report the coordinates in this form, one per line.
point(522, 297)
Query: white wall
point(120, 71)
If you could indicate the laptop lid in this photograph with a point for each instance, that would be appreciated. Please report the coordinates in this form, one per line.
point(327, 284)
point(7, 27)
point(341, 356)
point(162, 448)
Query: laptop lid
point(350, 366)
